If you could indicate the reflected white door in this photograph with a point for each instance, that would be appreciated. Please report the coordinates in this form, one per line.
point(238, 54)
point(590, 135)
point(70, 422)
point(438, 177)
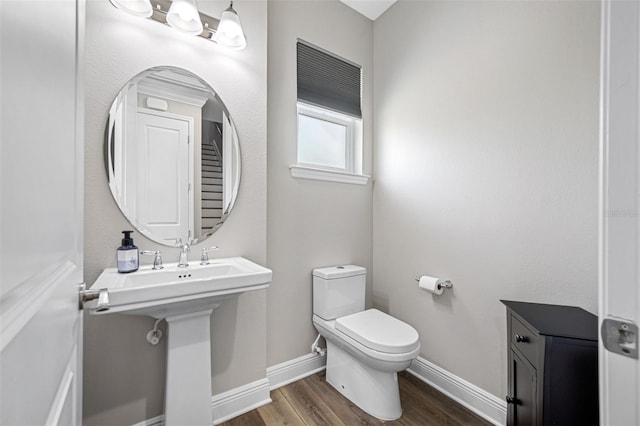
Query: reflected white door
point(41, 221)
point(620, 207)
point(164, 175)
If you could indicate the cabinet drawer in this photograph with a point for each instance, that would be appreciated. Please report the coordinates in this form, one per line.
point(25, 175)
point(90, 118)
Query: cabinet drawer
point(525, 341)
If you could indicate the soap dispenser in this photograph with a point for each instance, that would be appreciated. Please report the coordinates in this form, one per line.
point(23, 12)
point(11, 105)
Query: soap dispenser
point(127, 254)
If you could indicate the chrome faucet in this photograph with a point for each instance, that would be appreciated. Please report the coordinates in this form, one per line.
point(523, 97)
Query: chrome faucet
point(185, 248)
point(183, 262)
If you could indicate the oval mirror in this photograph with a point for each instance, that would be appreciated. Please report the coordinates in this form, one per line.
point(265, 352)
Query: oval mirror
point(172, 156)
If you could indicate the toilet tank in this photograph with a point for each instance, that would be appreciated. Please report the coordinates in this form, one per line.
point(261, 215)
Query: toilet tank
point(338, 291)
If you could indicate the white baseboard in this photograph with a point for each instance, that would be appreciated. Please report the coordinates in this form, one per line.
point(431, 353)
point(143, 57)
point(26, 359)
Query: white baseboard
point(235, 402)
point(240, 400)
point(295, 369)
point(245, 398)
point(481, 402)
point(230, 404)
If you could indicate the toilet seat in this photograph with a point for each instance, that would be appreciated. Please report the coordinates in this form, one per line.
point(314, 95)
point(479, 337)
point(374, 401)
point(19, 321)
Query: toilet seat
point(379, 331)
point(328, 330)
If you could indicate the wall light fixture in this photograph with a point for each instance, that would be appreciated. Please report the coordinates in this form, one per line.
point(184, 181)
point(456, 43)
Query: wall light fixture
point(183, 15)
point(229, 31)
point(140, 8)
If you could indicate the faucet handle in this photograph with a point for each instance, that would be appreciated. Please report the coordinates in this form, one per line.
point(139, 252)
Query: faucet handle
point(204, 260)
point(157, 260)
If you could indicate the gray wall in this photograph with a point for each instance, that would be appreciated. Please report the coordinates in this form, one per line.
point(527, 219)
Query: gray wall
point(486, 169)
point(486, 120)
point(123, 374)
point(310, 223)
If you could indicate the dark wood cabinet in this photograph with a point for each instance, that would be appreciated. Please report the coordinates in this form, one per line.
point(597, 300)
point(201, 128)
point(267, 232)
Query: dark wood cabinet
point(553, 365)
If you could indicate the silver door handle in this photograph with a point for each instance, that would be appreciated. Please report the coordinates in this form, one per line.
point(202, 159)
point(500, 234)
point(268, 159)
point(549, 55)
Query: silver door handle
point(102, 295)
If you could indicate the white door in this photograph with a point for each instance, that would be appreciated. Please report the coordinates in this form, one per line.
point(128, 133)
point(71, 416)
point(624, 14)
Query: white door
point(41, 220)
point(620, 214)
point(164, 176)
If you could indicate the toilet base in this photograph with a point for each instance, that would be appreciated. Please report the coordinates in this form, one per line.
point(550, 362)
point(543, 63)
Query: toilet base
point(374, 391)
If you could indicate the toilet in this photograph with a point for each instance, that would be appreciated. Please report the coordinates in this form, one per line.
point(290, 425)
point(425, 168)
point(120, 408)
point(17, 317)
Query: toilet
point(365, 348)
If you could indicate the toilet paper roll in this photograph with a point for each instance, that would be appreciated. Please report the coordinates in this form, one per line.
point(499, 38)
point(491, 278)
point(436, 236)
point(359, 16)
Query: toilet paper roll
point(431, 284)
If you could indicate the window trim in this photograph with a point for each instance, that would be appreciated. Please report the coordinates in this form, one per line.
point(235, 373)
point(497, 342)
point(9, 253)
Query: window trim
point(306, 172)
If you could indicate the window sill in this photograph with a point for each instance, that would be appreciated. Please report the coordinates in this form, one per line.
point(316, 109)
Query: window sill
point(304, 172)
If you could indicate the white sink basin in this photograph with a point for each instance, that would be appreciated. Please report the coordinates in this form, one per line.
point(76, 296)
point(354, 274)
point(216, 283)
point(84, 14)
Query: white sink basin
point(185, 298)
point(172, 290)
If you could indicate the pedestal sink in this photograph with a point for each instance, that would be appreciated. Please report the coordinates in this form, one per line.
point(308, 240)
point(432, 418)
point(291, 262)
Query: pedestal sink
point(185, 298)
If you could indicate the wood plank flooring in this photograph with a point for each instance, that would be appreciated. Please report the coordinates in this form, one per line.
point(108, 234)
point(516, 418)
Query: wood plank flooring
point(312, 401)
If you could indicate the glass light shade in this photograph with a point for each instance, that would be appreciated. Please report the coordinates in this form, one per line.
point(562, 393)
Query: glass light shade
point(140, 8)
point(229, 32)
point(183, 16)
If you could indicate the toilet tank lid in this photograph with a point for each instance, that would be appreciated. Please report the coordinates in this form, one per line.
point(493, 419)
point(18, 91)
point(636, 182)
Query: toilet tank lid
point(342, 271)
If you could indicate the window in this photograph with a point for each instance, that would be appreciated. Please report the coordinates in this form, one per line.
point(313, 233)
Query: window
point(326, 139)
point(329, 134)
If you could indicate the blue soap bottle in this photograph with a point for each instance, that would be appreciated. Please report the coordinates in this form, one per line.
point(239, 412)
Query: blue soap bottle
point(127, 254)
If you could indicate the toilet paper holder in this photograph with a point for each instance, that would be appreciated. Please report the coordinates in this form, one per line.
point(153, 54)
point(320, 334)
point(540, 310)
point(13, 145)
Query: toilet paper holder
point(445, 283)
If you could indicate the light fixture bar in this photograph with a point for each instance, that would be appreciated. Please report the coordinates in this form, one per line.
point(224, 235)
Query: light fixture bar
point(161, 7)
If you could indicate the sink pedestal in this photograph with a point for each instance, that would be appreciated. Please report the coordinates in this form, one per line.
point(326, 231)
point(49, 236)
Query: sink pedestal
point(187, 398)
point(185, 298)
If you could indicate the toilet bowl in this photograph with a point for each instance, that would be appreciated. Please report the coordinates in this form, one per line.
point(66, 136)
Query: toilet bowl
point(365, 348)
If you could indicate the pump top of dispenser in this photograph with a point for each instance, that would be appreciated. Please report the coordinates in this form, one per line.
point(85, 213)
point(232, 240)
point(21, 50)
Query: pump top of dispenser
point(127, 240)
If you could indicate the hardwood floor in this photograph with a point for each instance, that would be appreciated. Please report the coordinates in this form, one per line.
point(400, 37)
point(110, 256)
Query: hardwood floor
point(312, 401)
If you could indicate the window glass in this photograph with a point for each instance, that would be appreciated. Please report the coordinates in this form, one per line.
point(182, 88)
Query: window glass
point(321, 142)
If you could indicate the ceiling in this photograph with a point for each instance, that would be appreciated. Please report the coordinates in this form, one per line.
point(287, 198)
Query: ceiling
point(372, 9)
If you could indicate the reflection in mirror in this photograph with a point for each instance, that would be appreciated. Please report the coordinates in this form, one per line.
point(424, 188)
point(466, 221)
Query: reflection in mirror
point(172, 156)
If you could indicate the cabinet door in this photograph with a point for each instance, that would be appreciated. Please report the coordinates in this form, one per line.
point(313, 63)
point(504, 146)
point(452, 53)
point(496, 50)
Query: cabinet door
point(522, 409)
point(571, 382)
